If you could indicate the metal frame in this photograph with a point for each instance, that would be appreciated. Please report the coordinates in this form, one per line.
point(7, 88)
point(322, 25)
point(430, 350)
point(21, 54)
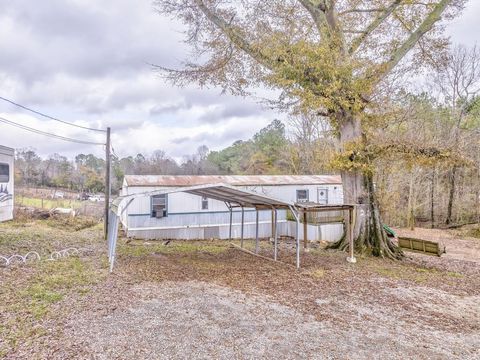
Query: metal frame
point(240, 198)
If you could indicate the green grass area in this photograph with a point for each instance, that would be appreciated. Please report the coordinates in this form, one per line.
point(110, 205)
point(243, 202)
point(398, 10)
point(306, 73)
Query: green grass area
point(38, 292)
point(44, 236)
point(46, 203)
point(35, 298)
point(317, 273)
point(174, 247)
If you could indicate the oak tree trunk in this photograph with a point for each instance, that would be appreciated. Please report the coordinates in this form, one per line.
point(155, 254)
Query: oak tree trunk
point(358, 189)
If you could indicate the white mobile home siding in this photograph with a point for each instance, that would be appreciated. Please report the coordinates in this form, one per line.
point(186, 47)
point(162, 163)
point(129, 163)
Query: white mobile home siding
point(186, 220)
point(6, 183)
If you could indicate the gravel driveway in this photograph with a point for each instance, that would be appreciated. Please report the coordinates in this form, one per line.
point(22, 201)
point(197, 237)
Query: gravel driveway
point(200, 320)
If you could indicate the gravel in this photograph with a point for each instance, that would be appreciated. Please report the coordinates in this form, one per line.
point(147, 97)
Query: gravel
point(200, 320)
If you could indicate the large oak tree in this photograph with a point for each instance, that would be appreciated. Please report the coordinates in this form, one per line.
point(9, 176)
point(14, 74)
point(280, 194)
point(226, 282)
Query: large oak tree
point(330, 57)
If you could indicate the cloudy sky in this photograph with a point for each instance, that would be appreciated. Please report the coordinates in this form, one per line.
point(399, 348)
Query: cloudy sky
point(86, 61)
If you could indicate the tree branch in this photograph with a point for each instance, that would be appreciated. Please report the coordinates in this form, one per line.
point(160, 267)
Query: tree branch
point(234, 35)
point(317, 12)
point(361, 11)
point(373, 25)
point(424, 27)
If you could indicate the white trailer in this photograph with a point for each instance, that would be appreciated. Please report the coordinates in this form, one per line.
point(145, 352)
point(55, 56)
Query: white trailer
point(180, 215)
point(6, 183)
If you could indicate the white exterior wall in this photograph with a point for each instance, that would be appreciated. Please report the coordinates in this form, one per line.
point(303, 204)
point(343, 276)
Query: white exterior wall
point(186, 220)
point(7, 188)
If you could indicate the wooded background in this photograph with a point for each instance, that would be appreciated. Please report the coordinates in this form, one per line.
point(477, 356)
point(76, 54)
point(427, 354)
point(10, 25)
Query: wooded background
point(444, 115)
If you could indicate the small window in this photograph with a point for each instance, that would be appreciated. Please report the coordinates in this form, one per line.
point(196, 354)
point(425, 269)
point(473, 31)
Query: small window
point(4, 173)
point(159, 206)
point(302, 195)
point(204, 203)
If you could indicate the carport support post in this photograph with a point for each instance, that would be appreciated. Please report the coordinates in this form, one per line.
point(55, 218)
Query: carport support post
point(275, 243)
point(256, 232)
point(297, 236)
point(297, 233)
point(349, 233)
point(230, 223)
point(305, 230)
point(241, 230)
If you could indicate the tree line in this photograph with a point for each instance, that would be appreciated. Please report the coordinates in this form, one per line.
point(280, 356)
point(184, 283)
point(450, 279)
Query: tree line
point(265, 153)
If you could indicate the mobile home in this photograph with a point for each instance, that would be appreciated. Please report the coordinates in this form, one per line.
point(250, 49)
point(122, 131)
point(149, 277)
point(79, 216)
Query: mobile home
point(181, 215)
point(6, 183)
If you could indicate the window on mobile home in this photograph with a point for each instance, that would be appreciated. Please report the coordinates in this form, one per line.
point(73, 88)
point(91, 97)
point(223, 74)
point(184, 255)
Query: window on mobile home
point(4, 173)
point(159, 206)
point(204, 203)
point(302, 195)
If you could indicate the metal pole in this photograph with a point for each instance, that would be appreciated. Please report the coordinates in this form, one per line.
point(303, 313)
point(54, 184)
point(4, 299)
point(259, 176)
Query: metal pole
point(230, 226)
point(273, 224)
point(305, 230)
point(349, 232)
point(297, 231)
point(241, 229)
point(275, 252)
point(256, 232)
point(107, 182)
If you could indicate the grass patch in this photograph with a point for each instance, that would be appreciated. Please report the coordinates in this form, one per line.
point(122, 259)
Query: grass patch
point(53, 281)
point(388, 272)
point(200, 264)
point(474, 233)
point(454, 274)
point(31, 300)
point(73, 224)
point(317, 273)
point(414, 274)
point(43, 237)
point(181, 247)
point(47, 203)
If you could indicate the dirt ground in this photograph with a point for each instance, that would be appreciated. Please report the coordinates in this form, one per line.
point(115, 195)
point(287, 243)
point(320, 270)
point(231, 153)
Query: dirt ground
point(209, 300)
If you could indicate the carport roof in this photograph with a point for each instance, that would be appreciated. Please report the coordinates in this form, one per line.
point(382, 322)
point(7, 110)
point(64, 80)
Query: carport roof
point(238, 196)
point(233, 180)
point(222, 192)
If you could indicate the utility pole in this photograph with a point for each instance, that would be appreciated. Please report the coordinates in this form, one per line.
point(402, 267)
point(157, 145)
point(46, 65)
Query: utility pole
point(107, 183)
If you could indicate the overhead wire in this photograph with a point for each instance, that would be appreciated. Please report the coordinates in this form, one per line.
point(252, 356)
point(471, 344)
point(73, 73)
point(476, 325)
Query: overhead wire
point(64, 138)
point(48, 116)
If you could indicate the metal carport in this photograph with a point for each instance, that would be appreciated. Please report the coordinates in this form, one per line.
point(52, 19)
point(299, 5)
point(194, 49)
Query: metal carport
point(232, 197)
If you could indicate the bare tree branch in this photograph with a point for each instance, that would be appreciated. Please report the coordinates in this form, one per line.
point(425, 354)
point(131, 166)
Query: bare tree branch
point(235, 36)
point(424, 27)
point(373, 25)
point(317, 12)
point(361, 11)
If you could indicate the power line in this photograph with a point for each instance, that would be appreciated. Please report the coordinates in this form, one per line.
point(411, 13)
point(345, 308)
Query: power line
point(48, 116)
point(48, 134)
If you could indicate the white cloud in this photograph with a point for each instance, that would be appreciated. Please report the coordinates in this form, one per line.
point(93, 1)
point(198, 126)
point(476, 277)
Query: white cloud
point(86, 61)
